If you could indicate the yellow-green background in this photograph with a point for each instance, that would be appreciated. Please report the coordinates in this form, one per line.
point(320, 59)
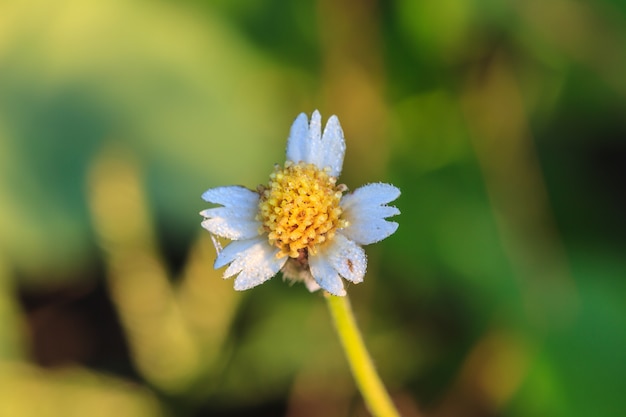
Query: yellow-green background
point(503, 292)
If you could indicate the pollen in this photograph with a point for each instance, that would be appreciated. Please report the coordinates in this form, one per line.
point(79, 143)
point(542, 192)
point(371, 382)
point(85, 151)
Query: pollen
point(299, 208)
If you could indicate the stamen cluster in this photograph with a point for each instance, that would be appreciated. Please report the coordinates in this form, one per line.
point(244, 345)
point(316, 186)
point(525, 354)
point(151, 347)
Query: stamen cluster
point(299, 208)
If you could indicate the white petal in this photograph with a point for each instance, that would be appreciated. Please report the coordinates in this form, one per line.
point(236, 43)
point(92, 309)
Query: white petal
point(347, 258)
point(326, 275)
point(235, 220)
point(230, 252)
point(254, 260)
point(369, 231)
point(334, 146)
point(374, 212)
point(312, 285)
point(307, 144)
point(314, 153)
point(294, 272)
point(365, 211)
point(232, 196)
point(232, 228)
point(298, 138)
point(371, 195)
point(241, 212)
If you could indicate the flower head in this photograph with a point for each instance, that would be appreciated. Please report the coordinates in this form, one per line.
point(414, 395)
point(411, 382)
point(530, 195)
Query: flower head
point(302, 222)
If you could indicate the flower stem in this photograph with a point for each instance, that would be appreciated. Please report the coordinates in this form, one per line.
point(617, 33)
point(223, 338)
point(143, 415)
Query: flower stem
point(376, 397)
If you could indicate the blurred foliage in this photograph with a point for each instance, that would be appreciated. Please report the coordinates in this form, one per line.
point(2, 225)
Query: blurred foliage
point(502, 293)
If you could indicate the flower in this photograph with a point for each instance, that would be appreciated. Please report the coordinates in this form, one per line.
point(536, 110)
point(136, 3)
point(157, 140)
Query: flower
point(302, 222)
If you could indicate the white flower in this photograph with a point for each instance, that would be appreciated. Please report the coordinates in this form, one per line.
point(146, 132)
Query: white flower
point(301, 222)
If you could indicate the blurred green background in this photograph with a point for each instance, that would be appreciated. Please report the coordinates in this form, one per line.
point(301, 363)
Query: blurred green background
point(503, 122)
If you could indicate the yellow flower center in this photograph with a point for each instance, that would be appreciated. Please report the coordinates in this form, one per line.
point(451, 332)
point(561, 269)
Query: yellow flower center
point(299, 208)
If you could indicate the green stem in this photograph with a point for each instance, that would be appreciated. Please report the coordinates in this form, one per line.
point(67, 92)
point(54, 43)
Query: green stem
point(369, 383)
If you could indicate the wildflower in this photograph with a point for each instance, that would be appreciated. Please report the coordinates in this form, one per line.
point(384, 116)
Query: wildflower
point(302, 222)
